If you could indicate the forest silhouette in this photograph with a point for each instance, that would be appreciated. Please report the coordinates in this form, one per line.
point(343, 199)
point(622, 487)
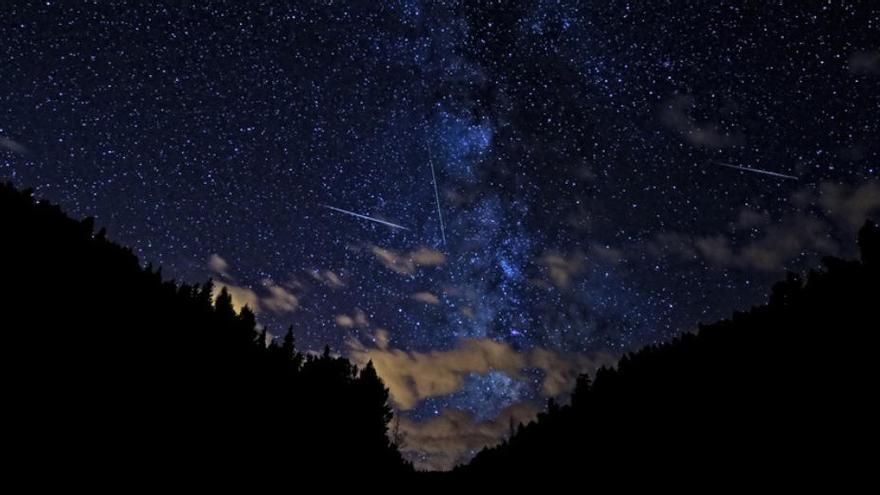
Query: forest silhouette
point(783, 392)
point(111, 369)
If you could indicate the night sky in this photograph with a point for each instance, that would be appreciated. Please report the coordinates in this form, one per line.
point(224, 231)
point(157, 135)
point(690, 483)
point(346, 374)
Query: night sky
point(584, 157)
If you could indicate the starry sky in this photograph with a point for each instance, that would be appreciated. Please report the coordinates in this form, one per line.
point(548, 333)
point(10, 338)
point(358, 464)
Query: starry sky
point(583, 155)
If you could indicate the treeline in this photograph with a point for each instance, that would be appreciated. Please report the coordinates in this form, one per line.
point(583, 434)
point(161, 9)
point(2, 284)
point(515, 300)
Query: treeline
point(784, 392)
point(111, 370)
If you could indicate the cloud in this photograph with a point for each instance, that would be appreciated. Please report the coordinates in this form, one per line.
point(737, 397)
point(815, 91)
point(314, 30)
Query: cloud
point(843, 207)
point(850, 206)
point(344, 321)
point(381, 339)
point(561, 370)
point(414, 376)
point(241, 296)
point(357, 320)
point(716, 249)
point(581, 219)
point(675, 243)
point(218, 265)
point(279, 299)
point(268, 337)
point(276, 298)
point(676, 115)
point(865, 63)
point(561, 268)
point(328, 278)
point(780, 243)
point(442, 442)
point(408, 263)
point(606, 253)
point(13, 146)
point(426, 297)
point(749, 219)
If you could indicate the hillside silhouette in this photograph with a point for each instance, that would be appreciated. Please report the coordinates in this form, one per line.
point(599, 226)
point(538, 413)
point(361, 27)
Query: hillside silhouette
point(112, 371)
point(784, 392)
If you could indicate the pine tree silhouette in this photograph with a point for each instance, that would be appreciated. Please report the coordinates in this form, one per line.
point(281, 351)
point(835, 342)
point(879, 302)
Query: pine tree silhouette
point(780, 393)
point(113, 371)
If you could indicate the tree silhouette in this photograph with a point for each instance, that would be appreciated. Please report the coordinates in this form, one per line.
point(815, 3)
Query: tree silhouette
point(117, 371)
point(782, 392)
point(112, 372)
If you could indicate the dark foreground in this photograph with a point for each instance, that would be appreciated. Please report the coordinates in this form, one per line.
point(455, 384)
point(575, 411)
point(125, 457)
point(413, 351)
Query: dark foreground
point(113, 375)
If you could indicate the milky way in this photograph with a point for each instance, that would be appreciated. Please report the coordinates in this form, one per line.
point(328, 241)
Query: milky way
point(574, 146)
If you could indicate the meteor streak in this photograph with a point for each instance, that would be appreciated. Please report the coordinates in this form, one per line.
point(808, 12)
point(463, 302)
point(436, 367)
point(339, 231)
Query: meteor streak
point(437, 197)
point(756, 170)
point(383, 222)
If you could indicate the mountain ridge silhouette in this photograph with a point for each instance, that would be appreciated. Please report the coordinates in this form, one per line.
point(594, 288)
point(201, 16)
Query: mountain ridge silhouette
point(779, 392)
point(114, 373)
point(111, 369)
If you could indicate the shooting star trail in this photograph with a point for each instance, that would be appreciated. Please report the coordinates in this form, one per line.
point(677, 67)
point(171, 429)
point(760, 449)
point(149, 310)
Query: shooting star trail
point(756, 170)
point(437, 197)
point(383, 222)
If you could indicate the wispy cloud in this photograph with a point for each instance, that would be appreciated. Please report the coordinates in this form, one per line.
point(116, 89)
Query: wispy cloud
point(279, 299)
point(563, 268)
point(356, 320)
point(453, 437)
point(241, 296)
point(407, 263)
point(426, 297)
point(805, 230)
point(865, 63)
point(218, 265)
point(850, 206)
point(414, 376)
point(14, 146)
point(677, 114)
point(328, 278)
point(275, 297)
